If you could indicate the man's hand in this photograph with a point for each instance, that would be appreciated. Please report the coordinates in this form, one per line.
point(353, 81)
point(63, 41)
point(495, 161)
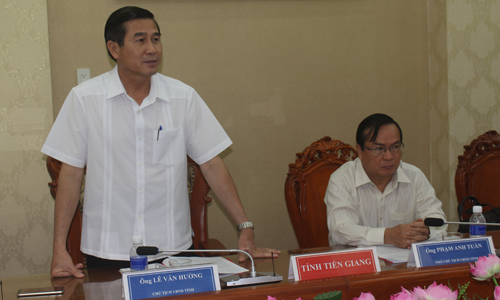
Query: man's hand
point(69, 283)
point(246, 243)
point(62, 266)
point(403, 235)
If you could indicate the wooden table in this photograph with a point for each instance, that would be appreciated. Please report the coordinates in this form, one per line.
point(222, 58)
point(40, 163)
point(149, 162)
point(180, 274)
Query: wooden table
point(103, 284)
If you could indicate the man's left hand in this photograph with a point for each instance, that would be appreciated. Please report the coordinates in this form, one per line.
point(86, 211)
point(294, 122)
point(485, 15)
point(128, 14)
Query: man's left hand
point(247, 243)
point(403, 235)
point(419, 230)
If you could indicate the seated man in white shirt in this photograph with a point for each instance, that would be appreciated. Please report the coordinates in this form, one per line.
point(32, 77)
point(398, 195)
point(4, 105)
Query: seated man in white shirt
point(378, 199)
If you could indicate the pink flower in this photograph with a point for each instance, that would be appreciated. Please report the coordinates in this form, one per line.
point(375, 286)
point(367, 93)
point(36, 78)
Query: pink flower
point(365, 296)
point(496, 294)
point(486, 267)
point(270, 298)
point(403, 295)
point(439, 292)
point(419, 293)
point(435, 292)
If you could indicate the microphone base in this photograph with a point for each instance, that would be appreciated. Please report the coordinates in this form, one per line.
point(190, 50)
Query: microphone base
point(246, 279)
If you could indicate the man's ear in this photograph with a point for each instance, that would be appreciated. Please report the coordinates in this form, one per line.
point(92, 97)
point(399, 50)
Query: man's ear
point(360, 151)
point(113, 48)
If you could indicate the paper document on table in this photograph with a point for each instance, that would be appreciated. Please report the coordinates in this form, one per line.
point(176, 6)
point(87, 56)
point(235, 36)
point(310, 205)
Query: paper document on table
point(224, 265)
point(393, 254)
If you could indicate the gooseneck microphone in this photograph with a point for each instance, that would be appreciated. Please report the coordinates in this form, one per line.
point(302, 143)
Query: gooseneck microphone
point(233, 280)
point(434, 222)
point(440, 222)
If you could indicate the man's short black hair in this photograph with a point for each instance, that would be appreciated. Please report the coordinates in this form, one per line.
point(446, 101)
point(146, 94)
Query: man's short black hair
point(370, 126)
point(115, 29)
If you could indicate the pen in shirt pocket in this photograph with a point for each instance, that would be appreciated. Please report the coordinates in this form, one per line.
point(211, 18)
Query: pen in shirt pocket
point(158, 136)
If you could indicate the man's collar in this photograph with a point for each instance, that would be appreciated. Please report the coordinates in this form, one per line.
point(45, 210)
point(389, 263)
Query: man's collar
point(160, 92)
point(360, 175)
point(116, 87)
point(401, 174)
point(362, 178)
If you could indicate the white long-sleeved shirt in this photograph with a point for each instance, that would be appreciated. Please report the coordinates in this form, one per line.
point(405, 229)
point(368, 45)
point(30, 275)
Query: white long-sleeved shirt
point(358, 212)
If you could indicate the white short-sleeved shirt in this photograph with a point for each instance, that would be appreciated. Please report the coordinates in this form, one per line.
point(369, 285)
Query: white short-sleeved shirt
point(136, 179)
point(358, 212)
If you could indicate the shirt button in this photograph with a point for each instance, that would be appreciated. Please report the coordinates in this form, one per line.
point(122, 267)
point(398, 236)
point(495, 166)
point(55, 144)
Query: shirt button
point(140, 138)
point(140, 216)
point(140, 191)
point(140, 164)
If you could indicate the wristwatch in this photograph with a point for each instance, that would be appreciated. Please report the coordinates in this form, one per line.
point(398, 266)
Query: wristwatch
point(244, 225)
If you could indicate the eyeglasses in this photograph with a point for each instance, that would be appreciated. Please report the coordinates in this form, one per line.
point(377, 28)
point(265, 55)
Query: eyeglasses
point(395, 149)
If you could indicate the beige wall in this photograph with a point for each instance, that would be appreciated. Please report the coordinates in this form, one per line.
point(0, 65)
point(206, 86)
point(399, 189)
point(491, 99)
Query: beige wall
point(278, 75)
point(26, 208)
point(438, 112)
point(464, 60)
point(474, 74)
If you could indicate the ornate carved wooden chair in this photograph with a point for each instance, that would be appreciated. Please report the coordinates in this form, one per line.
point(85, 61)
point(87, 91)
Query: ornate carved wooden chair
point(198, 189)
point(305, 188)
point(478, 171)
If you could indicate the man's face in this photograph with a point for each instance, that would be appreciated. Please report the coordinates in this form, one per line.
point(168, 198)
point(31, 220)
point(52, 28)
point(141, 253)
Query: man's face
point(380, 168)
point(140, 55)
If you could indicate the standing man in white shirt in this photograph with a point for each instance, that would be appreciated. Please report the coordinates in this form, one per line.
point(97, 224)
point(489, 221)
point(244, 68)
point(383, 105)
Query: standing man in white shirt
point(378, 199)
point(132, 128)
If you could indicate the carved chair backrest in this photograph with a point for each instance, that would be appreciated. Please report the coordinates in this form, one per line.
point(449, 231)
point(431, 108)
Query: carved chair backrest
point(198, 189)
point(478, 171)
point(305, 188)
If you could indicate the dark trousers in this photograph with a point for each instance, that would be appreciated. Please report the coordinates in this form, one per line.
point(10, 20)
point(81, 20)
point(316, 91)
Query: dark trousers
point(96, 262)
